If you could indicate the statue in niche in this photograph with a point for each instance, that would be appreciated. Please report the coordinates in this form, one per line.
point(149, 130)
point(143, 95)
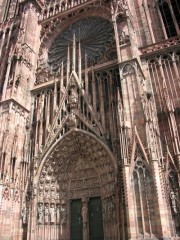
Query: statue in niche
point(49, 128)
point(28, 123)
point(10, 80)
point(63, 90)
point(58, 213)
point(123, 38)
point(24, 215)
point(40, 149)
point(46, 214)
point(173, 201)
point(52, 214)
point(34, 189)
point(40, 214)
point(63, 213)
point(177, 196)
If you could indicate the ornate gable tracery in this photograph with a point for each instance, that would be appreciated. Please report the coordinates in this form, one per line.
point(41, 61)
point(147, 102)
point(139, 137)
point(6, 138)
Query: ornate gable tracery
point(77, 101)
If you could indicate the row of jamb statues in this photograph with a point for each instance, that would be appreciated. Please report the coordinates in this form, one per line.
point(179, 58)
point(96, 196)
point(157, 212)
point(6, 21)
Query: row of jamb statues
point(51, 213)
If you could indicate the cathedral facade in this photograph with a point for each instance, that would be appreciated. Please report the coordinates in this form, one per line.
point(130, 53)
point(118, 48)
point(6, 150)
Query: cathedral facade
point(89, 119)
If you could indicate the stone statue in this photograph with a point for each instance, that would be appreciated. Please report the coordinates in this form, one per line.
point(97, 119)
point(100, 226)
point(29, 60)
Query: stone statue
point(40, 214)
point(52, 214)
point(28, 123)
point(63, 214)
point(24, 215)
point(34, 189)
point(173, 201)
point(46, 214)
point(177, 197)
point(84, 214)
point(57, 214)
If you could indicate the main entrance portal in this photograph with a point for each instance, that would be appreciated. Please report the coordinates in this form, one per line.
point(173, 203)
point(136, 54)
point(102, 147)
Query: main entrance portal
point(86, 223)
point(76, 191)
point(76, 220)
point(95, 219)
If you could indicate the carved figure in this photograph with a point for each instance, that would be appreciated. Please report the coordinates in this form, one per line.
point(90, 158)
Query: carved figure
point(63, 213)
point(173, 201)
point(84, 214)
point(52, 214)
point(177, 196)
point(46, 214)
point(28, 122)
point(34, 189)
point(58, 214)
point(24, 215)
point(40, 214)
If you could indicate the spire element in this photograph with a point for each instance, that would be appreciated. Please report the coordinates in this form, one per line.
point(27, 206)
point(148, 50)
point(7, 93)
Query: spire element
point(74, 52)
point(68, 66)
point(79, 67)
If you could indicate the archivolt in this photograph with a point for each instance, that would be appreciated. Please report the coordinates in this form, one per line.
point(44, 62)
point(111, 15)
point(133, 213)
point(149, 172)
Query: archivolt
point(79, 151)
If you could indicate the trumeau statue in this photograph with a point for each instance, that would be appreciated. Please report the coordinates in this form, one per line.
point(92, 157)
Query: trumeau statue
point(84, 213)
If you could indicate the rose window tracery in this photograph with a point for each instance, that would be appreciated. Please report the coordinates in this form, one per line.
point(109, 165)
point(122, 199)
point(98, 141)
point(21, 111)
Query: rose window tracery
point(96, 37)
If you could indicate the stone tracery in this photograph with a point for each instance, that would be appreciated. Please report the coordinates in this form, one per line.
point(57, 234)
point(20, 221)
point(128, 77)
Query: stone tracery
point(144, 198)
point(97, 43)
point(80, 168)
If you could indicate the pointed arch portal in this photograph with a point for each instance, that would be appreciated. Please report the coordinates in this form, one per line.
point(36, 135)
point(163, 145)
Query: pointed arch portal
point(76, 188)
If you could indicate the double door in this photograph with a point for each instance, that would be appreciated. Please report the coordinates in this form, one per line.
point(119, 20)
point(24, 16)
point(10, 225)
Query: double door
point(90, 228)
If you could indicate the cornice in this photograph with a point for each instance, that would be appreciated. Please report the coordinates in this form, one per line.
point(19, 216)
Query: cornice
point(12, 100)
point(170, 43)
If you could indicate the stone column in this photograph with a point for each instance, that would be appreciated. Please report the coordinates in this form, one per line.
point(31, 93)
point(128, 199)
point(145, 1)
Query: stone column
point(6, 79)
point(64, 232)
point(2, 42)
point(85, 218)
point(131, 219)
point(160, 208)
point(116, 38)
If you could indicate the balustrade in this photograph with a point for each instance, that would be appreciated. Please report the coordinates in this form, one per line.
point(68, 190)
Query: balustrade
point(57, 7)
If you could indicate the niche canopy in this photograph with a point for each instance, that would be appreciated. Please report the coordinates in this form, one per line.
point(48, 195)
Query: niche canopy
point(96, 37)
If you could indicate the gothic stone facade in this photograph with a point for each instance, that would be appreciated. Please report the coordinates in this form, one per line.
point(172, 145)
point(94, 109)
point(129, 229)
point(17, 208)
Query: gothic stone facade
point(89, 119)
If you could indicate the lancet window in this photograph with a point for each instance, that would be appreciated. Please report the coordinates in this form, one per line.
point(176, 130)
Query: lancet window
point(143, 200)
point(11, 9)
point(2, 166)
point(174, 200)
point(176, 9)
point(170, 13)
